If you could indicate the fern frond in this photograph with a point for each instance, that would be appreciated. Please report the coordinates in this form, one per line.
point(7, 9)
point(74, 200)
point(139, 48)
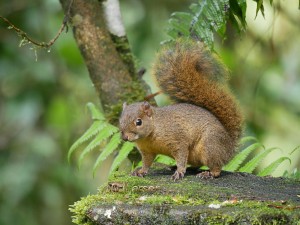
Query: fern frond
point(101, 130)
point(247, 139)
point(179, 22)
point(96, 114)
point(123, 153)
point(109, 148)
point(106, 132)
point(235, 163)
point(92, 131)
point(204, 18)
point(273, 166)
point(252, 164)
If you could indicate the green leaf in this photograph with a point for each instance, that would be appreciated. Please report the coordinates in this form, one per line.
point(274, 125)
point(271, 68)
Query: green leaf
point(125, 150)
point(243, 6)
point(218, 22)
point(260, 6)
point(252, 164)
point(106, 132)
point(234, 164)
point(204, 168)
point(235, 23)
point(273, 166)
point(237, 14)
point(92, 131)
point(96, 114)
point(165, 160)
point(109, 148)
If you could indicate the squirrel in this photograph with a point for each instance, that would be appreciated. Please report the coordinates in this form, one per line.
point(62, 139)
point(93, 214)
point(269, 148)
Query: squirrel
point(202, 128)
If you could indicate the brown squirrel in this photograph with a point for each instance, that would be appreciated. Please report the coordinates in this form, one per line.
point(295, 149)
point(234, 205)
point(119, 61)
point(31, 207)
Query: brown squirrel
point(205, 125)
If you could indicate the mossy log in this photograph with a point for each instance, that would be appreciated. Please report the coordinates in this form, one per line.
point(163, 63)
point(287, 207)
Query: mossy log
point(233, 198)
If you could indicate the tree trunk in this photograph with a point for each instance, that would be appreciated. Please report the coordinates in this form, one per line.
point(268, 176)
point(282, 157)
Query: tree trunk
point(107, 55)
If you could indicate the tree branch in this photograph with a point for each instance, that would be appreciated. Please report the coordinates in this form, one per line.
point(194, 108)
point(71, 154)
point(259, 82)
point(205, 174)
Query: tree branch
point(27, 40)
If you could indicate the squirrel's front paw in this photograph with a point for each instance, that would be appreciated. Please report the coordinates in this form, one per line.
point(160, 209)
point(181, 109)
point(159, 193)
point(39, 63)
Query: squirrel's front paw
point(139, 173)
point(177, 175)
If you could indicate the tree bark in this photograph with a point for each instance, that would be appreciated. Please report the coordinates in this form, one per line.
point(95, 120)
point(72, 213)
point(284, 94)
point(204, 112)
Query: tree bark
point(110, 66)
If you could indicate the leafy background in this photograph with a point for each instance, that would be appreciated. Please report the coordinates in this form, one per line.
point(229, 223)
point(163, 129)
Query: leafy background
point(43, 104)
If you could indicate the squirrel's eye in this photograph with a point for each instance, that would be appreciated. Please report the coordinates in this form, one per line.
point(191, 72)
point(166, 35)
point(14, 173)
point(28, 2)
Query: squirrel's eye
point(138, 122)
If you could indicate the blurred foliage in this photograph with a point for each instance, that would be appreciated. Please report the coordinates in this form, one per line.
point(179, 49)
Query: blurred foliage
point(42, 103)
point(40, 115)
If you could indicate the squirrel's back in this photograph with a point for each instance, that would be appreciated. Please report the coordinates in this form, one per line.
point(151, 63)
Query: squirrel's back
point(189, 73)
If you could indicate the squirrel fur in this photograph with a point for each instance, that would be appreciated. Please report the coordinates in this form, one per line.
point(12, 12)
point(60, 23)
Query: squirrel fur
point(203, 127)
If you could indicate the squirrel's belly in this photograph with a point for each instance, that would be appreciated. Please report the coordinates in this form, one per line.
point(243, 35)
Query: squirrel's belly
point(153, 147)
point(161, 150)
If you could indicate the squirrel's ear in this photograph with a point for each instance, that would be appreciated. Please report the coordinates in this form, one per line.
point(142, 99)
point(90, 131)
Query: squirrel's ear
point(146, 108)
point(124, 105)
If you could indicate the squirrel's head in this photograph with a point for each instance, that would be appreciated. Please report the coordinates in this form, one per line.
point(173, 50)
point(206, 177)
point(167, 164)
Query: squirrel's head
point(136, 121)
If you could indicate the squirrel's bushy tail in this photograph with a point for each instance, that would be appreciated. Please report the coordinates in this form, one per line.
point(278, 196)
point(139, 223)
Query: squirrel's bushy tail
point(189, 73)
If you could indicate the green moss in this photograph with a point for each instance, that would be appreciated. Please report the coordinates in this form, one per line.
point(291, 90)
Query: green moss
point(123, 48)
point(135, 89)
point(161, 196)
point(80, 208)
point(135, 93)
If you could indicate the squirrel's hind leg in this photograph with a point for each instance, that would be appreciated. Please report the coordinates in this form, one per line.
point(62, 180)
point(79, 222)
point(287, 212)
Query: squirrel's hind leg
point(212, 154)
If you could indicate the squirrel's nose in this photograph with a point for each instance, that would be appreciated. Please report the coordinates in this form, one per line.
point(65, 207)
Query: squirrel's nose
point(124, 136)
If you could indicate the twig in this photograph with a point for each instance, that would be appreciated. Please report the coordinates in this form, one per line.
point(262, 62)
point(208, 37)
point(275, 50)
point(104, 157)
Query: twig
point(149, 97)
point(23, 35)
